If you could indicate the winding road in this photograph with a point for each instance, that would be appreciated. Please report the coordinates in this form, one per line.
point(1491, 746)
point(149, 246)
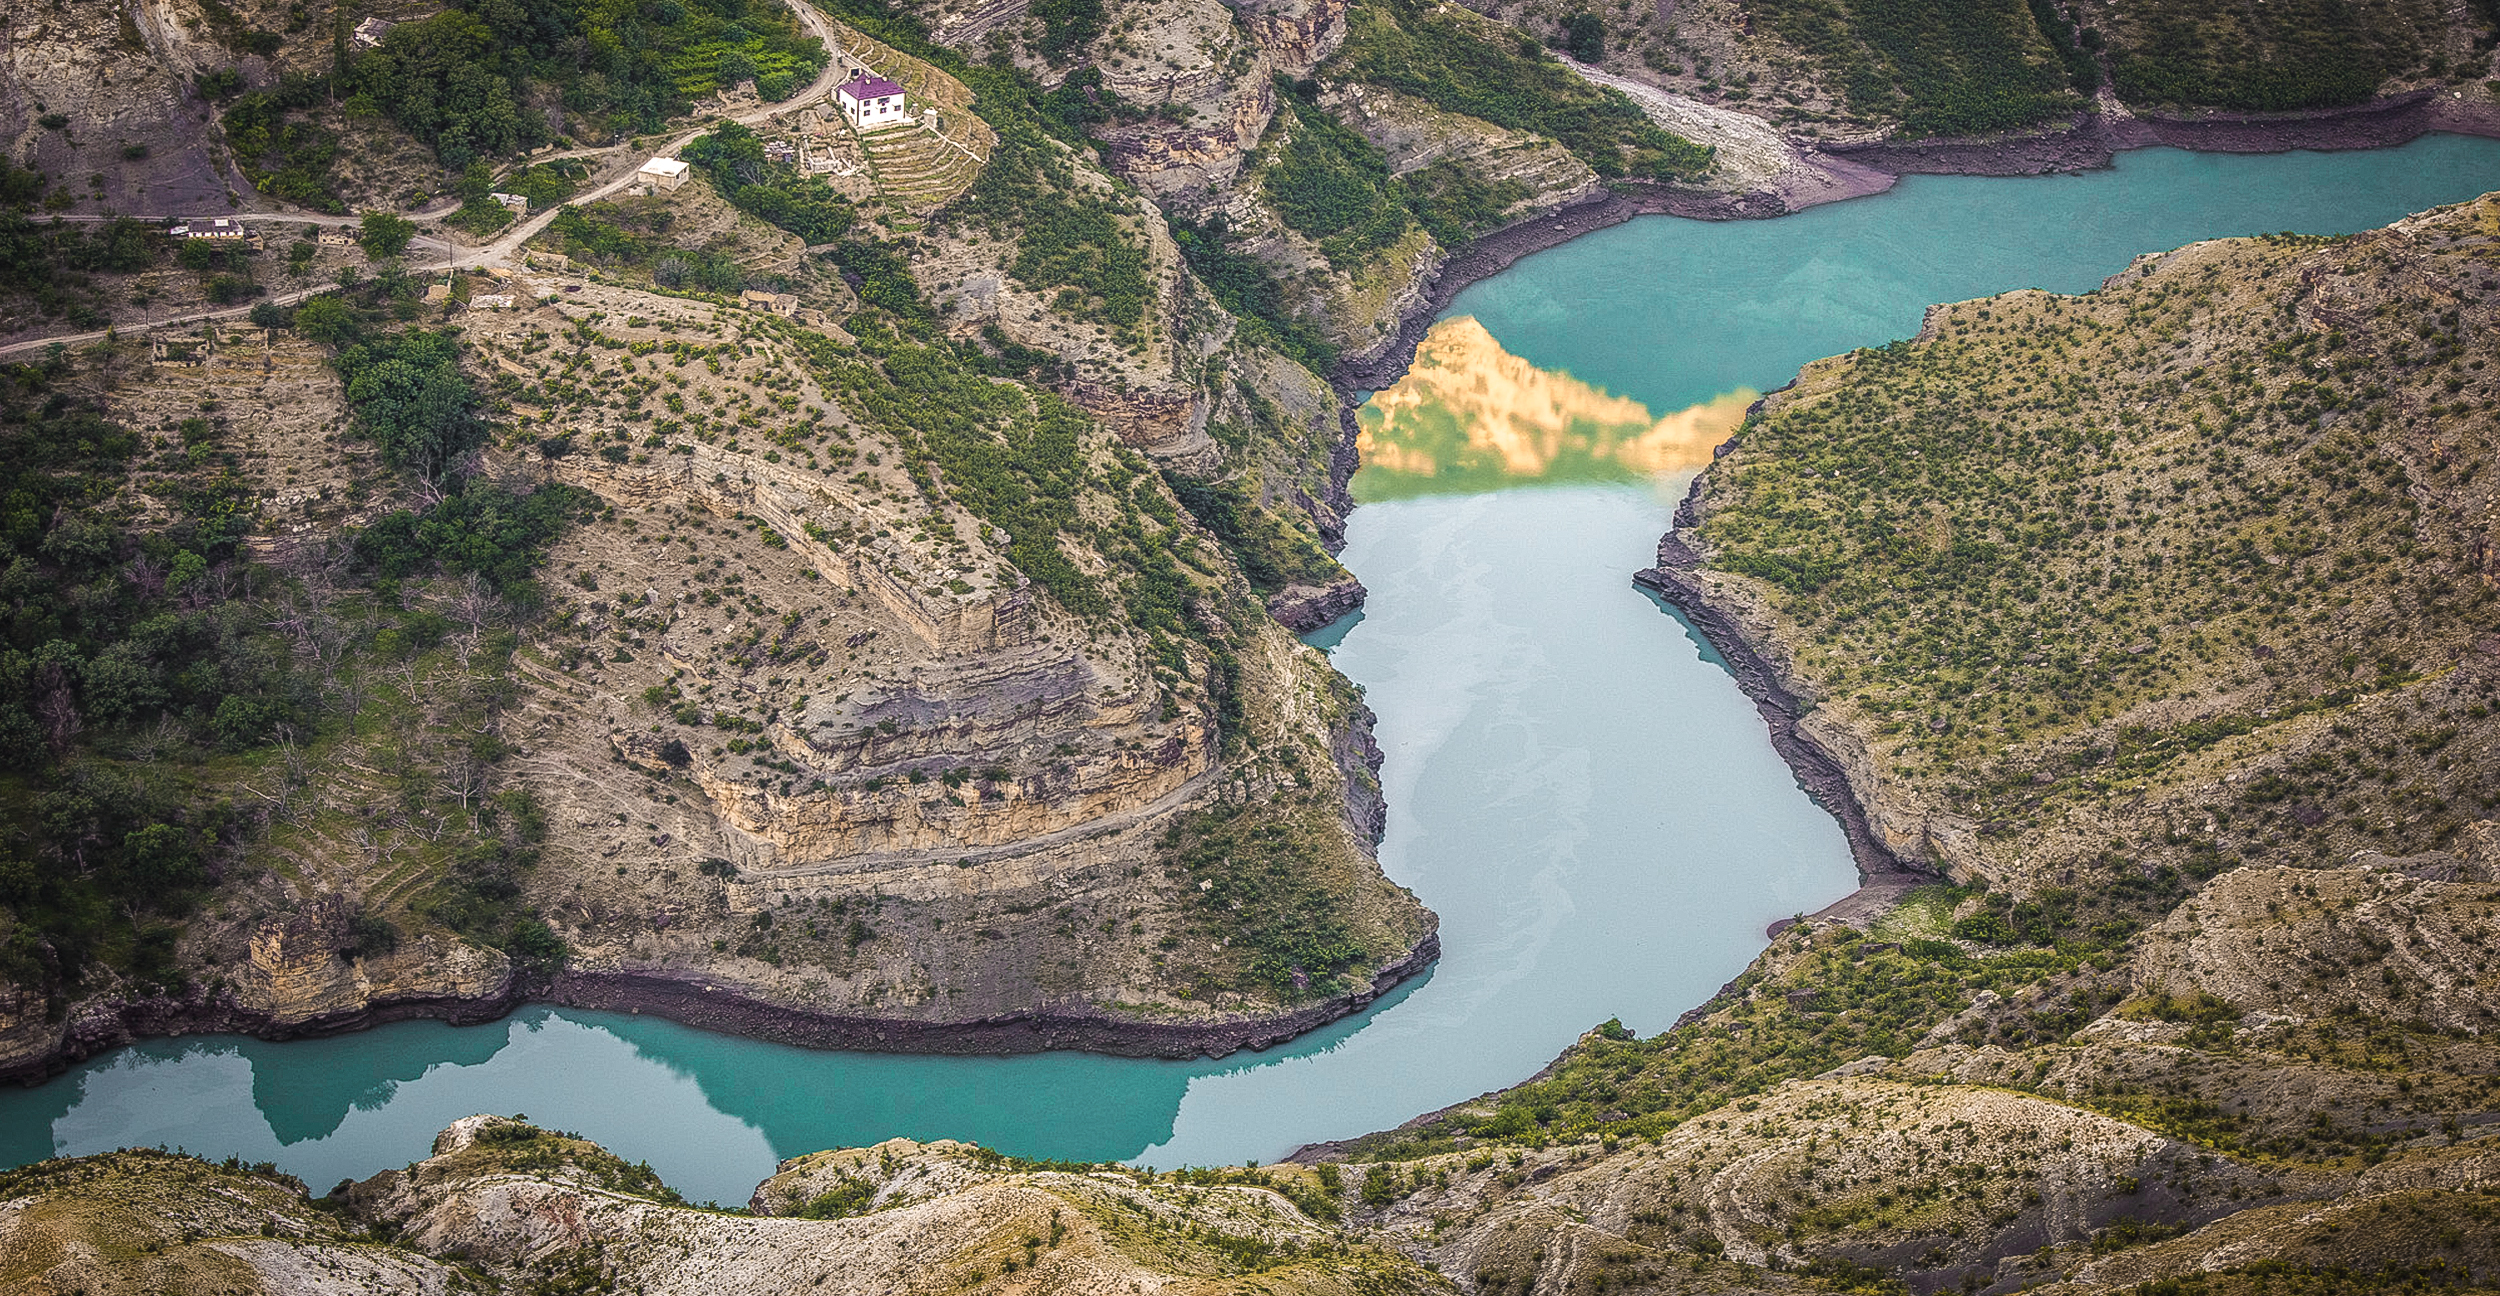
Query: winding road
point(625, 160)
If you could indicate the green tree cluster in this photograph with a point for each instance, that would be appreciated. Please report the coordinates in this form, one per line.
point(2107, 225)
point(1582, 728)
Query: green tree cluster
point(51, 265)
point(463, 79)
point(626, 234)
point(732, 158)
point(410, 398)
point(287, 158)
point(112, 634)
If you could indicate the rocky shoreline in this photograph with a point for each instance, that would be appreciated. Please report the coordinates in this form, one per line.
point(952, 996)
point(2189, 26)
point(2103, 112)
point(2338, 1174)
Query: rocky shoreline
point(102, 1027)
point(1882, 875)
point(34, 1049)
point(98, 1027)
point(1081, 1027)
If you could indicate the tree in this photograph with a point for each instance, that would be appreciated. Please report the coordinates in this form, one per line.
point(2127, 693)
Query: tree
point(385, 235)
point(1584, 34)
point(326, 320)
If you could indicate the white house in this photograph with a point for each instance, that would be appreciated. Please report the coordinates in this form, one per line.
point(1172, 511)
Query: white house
point(370, 32)
point(870, 102)
point(210, 227)
point(663, 173)
point(514, 203)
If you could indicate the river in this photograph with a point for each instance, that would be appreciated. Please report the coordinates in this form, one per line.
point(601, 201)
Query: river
point(1574, 783)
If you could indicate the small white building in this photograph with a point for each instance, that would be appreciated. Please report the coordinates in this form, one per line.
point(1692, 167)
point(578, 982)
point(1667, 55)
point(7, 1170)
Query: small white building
point(663, 173)
point(514, 203)
point(211, 227)
point(490, 301)
point(871, 102)
point(370, 32)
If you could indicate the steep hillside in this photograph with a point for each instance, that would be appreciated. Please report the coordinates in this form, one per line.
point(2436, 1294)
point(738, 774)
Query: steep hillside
point(2185, 573)
point(884, 661)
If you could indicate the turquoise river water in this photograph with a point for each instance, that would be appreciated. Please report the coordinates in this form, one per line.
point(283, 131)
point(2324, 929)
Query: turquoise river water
point(1574, 783)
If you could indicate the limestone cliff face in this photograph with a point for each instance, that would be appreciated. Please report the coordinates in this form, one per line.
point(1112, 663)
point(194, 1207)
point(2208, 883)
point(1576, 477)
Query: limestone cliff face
point(1295, 34)
point(302, 970)
point(298, 976)
point(920, 807)
point(801, 506)
point(997, 710)
point(1205, 151)
point(965, 24)
point(125, 74)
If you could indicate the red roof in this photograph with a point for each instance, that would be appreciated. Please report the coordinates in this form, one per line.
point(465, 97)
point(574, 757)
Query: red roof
point(868, 87)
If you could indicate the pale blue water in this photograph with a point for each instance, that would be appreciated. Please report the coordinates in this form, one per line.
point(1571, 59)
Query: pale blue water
point(1672, 312)
point(1578, 790)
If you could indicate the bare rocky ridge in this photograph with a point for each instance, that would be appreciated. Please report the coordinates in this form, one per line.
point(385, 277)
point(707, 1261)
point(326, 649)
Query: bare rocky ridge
point(502, 1206)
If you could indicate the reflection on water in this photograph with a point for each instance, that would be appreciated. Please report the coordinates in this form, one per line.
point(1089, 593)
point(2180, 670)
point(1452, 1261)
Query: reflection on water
point(1470, 416)
point(344, 1108)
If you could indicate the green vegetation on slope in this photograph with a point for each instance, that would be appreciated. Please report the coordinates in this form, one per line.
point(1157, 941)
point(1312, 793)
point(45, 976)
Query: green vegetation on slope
point(1247, 871)
point(153, 670)
point(1944, 67)
point(286, 159)
point(1461, 63)
point(625, 234)
point(1614, 1085)
point(51, 268)
point(2065, 545)
point(732, 158)
point(2284, 55)
point(1244, 285)
point(1070, 240)
point(1333, 186)
point(466, 80)
point(133, 667)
